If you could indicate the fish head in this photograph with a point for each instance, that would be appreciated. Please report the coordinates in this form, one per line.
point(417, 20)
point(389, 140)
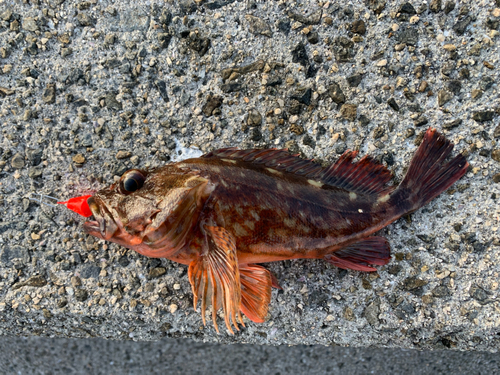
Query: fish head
point(151, 212)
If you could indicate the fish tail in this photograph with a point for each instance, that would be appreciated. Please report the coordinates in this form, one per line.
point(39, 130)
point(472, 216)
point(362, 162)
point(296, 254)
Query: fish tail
point(429, 174)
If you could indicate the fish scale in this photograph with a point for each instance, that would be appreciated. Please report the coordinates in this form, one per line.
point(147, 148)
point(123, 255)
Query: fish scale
point(316, 214)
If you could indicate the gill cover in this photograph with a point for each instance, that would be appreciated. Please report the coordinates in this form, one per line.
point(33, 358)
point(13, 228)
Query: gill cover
point(178, 215)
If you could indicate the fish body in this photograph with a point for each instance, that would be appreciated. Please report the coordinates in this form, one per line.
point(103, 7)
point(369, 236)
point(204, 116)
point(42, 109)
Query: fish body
point(274, 215)
point(228, 210)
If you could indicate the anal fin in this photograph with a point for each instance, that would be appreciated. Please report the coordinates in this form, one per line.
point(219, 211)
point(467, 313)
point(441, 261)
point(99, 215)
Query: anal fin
point(215, 277)
point(256, 284)
point(360, 255)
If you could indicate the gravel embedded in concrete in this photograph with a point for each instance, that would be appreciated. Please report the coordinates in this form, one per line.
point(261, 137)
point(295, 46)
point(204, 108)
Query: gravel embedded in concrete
point(91, 89)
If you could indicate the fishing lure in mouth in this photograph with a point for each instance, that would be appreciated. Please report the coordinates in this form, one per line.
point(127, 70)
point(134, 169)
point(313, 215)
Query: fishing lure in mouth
point(79, 205)
point(76, 204)
point(227, 211)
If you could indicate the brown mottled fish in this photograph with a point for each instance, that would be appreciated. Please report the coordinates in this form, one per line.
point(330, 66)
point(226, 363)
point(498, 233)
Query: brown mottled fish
point(230, 209)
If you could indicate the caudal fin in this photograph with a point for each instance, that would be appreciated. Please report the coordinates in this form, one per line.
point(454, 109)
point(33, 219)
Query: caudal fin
point(429, 175)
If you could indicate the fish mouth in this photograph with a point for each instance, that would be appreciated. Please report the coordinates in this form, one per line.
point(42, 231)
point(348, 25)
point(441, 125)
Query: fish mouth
point(104, 225)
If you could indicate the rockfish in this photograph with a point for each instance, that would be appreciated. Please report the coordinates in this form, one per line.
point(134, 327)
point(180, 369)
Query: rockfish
point(224, 212)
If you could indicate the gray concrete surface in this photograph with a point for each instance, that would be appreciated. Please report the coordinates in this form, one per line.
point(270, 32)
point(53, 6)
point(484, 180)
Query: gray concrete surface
point(90, 89)
point(36, 355)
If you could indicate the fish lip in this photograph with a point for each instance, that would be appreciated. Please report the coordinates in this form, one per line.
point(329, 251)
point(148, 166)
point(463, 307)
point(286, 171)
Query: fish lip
point(102, 226)
point(92, 228)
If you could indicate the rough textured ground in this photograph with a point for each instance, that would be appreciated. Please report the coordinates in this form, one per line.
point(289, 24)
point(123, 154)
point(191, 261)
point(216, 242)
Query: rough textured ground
point(37, 355)
point(90, 89)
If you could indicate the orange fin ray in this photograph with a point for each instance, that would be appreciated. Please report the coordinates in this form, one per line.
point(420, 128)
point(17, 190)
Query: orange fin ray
point(215, 278)
point(360, 255)
point(256, 284)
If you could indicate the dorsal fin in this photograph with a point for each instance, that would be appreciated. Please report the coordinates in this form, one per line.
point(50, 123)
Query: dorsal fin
point(280, 160)
point(366, 176)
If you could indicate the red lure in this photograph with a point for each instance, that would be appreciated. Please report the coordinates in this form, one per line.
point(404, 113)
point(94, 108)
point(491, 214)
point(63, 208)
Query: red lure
point(79, 205)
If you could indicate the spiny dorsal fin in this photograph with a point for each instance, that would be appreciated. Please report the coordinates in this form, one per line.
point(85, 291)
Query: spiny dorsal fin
point(366, 176)
point(280, 160)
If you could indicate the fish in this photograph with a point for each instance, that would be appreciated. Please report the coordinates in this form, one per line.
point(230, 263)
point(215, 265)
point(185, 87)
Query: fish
point(228, 211)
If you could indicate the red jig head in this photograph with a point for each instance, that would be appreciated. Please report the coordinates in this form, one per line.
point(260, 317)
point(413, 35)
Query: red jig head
point(79, 205)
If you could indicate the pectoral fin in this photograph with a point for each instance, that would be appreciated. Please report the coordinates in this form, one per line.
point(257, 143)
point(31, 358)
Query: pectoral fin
point(255, 292)
point(359, 255)
point(215, 277)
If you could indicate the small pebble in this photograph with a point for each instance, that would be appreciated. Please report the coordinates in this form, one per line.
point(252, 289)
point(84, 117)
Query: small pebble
point(495, 155)
point(489, 65)
point(17, 161)
point(123, 154)
point(79, 159)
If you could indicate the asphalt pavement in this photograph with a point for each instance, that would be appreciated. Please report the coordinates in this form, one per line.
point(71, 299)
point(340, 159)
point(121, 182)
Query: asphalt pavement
point(37, 355)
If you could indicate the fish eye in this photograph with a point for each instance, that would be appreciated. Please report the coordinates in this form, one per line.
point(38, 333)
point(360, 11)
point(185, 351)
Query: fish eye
point(132, 181)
